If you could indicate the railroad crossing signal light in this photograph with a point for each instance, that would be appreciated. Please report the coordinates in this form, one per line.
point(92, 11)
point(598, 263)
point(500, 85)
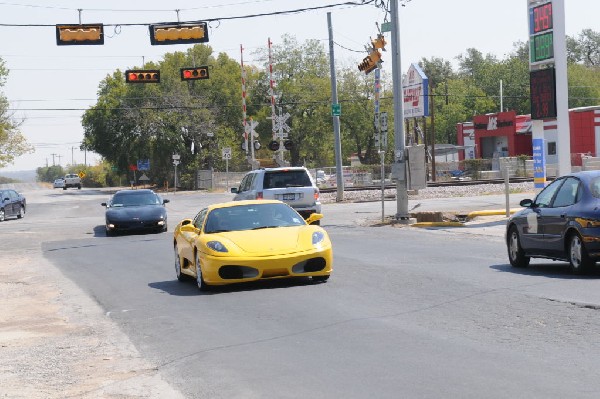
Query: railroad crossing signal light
point(79, 34)
point(194, 73)
point(288, 144)
point(142, 76)
point(175, 33)
point(274, 145)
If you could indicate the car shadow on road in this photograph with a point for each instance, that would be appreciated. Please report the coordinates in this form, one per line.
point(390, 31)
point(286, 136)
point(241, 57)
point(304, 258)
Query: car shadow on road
point(187, 288)
point(100, 231)
point(558, 270)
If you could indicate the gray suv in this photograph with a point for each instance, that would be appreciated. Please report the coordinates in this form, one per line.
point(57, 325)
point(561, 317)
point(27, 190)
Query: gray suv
point(292, 185)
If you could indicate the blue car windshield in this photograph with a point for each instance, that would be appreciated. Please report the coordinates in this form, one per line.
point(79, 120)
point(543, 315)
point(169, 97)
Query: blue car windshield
point(251, 217)
point(141, 199)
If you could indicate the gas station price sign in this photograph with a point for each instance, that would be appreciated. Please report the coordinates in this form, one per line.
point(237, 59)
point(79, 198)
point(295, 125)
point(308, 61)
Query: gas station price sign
point(541, 34)
point(540, 18)
point(543, 93)
point(542, 47)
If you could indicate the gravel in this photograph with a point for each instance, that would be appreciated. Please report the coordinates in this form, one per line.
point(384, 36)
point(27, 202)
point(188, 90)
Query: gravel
point(432, 192)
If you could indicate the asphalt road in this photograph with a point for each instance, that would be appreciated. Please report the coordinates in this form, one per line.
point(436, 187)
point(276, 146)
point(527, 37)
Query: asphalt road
point(419, 313)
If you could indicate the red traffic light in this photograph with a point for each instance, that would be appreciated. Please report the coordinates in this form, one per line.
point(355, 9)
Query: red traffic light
point(197, 73)
point(142, 76)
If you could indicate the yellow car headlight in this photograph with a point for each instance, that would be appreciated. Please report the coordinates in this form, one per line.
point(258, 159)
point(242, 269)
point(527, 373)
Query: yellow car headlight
point(216, 246)
point(317, 237)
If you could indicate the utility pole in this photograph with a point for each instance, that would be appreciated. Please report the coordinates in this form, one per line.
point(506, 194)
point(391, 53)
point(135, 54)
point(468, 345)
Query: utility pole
point(53, 163)
point(59, 157)
point(72, 162)
point(399, 165)
point(336, 118)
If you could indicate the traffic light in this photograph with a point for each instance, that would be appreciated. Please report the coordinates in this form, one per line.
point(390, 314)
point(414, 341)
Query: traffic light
point(373, 60)
point(288, 144)
point(379, 42)
point(142, 76)
point(79, 34)
point(274, 145)
point(369, 63)
point(194, 73)
point(176, 33)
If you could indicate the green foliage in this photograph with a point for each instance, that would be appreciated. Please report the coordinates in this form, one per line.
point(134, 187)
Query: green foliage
point(12, 143)
point(50, 173)
point(474, 167)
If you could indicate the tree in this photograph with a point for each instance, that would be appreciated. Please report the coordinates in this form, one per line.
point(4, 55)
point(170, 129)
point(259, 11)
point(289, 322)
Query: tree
point(12, 142)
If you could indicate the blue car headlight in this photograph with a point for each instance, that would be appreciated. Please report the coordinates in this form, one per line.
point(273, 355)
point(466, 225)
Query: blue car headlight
point(216, 246)
point(317, 237)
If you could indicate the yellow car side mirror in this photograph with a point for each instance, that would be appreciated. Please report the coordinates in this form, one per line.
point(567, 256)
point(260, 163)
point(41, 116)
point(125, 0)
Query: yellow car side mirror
point(314, 217)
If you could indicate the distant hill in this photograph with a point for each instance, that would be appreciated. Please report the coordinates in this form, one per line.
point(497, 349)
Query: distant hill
point(25, 176)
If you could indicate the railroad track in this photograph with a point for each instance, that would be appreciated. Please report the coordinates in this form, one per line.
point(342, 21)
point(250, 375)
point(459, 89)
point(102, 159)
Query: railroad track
point(435, 184)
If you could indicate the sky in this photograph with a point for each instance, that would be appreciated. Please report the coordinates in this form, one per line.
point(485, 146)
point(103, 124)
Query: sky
point(49, 86)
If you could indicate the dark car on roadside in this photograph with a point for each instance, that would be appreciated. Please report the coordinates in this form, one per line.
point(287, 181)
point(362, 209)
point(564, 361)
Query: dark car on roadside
point(135, 211)
point(561, 223)
point(12, 204)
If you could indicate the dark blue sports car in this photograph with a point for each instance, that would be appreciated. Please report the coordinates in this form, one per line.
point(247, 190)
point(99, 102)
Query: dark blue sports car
point(561, 223)
point(135, 210)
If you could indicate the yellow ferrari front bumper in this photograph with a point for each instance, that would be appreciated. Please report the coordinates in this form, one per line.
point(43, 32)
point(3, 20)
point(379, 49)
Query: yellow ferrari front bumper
point(221, 270)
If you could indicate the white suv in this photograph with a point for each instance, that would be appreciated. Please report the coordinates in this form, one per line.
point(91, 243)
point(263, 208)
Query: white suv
point(292, 185)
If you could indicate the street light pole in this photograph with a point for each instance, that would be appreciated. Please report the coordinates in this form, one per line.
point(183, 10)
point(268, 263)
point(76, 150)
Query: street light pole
point(399, 165)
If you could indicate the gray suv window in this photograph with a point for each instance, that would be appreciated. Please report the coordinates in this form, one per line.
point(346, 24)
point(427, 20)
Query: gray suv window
point(297, 178)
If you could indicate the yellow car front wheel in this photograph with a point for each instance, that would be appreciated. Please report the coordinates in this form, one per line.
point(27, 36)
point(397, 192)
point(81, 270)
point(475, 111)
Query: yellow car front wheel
point(199, 279)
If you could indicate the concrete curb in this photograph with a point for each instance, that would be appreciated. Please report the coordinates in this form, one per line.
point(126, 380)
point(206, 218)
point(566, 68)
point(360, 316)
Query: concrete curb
point(469, 216)
point(494, 212)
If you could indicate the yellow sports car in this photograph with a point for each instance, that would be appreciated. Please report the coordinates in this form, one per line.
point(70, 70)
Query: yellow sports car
point(239, 241)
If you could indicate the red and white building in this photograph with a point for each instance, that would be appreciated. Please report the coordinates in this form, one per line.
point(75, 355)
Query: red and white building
point(506, 134)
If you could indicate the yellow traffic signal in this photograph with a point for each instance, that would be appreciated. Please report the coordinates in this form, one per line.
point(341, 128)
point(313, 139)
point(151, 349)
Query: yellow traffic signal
point(373, 60)
point(194, 73)
point(175, 33)
point(79, 34)
point(379, 42)
point(370, 62)
point(142, 76)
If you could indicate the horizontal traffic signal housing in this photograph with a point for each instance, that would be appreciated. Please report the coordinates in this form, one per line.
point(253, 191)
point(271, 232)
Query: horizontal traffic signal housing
point(175, 33)
point(79, 34)
point(196, 73)
point(142, 76)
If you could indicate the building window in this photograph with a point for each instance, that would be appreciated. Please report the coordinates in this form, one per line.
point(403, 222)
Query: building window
point(552, 148)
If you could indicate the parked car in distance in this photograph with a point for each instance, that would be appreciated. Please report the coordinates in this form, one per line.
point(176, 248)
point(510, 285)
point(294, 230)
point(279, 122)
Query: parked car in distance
point(12, 204)
point(561, 223)
point(59, 183)
point(292, 185)
point(72, 180)
point(135, 210)
point(240, 241)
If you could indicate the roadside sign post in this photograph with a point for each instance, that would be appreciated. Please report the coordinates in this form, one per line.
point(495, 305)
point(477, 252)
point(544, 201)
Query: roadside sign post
point(176, 158)
point(226, 155)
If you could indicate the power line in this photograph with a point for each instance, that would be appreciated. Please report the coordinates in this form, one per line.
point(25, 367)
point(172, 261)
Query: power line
point(218, 19)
